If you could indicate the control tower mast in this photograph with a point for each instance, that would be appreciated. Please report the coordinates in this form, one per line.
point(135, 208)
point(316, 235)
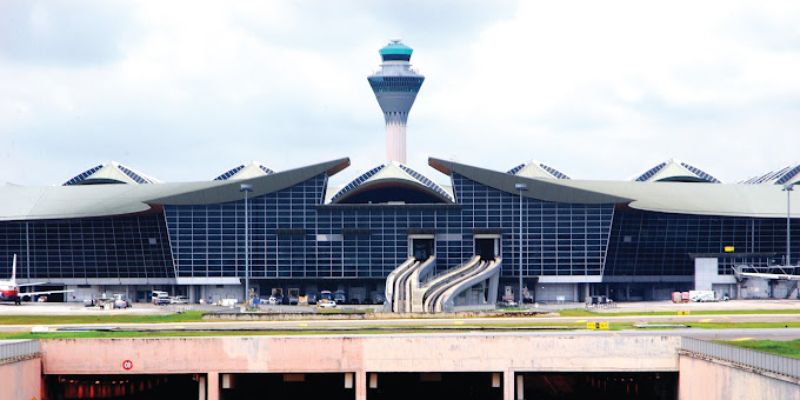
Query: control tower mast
point(396, 86)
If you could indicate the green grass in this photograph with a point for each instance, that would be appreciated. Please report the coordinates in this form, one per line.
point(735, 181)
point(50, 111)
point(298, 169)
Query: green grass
point(580, 312)
point(188, 316)
point(396, 329)
point(789, 348)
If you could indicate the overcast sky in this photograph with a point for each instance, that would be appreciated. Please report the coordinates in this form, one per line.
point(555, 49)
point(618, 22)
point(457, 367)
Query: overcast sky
point(598, 89)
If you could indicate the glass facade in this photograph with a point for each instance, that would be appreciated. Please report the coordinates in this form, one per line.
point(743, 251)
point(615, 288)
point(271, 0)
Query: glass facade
point(294, 236)
point(110, 247)
point(651, 243)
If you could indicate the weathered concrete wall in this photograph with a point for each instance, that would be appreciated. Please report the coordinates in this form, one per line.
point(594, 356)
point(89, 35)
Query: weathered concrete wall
point(21, 379)
point(373, 353)
point(707, 380)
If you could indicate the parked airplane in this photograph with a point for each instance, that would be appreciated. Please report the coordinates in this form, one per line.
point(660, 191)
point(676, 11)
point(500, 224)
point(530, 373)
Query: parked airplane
point(10, 289)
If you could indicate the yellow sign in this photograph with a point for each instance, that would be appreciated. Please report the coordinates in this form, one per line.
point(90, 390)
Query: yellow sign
point(729, 249)
point(602, 325)
point(683, 312)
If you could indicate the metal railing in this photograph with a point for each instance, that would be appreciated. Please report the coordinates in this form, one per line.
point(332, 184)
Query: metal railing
point(16, 349)
point(745, 357)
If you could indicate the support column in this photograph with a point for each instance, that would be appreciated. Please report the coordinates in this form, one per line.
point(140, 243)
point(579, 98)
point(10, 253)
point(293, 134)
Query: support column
point(508, 385)
point(213, 386)
point(361, 385)
point(201, 386)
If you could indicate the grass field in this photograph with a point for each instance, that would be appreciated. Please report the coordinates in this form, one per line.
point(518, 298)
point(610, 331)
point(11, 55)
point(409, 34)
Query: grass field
point(580, 312)
point(411, 327)
point(789, 348)
point(188, 316)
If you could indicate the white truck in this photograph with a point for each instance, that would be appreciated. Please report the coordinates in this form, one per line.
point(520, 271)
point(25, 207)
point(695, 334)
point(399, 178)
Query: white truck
point(701, 296)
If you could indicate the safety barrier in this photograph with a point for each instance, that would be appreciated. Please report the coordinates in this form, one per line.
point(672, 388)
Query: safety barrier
point(11, 350)
point(744, 357)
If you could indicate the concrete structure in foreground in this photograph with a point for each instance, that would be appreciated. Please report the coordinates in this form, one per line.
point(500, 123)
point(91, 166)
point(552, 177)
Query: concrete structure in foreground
point(377, 367)
point(504, 355)
point(20, 370)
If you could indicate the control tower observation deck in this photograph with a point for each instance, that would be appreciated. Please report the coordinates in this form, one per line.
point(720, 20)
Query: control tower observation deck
point(396, 86)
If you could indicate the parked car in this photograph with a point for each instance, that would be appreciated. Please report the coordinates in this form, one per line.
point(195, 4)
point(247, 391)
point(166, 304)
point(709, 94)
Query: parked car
point(275, 300)
point(340, 297)
point(293, 300)
point(325, 295)
point(178, 300)
point(326, 304)
point(311, 297)
point(378, 298)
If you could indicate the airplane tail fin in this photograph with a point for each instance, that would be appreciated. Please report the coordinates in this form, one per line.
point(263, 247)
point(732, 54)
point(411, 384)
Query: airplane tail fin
point(14, 269)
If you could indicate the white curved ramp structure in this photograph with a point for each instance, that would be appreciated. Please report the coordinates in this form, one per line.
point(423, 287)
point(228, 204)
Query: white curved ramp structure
point(391, 289)
point(406, 293)
point(487, 270)
point(436, 286)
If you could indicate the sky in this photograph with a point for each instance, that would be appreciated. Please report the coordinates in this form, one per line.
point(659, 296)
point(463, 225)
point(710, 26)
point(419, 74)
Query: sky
point(184, 90)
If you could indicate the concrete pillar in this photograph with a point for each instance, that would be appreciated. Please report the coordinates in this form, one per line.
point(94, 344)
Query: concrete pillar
point(213, 386)
point(361, 385)
point(586, 291)
point(201, 385)
point(508, 385)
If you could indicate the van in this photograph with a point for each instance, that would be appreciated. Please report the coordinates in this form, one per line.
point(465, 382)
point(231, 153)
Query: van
point(160, 298)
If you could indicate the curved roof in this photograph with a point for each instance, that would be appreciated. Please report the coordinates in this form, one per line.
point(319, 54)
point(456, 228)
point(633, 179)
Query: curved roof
point(391, 173)
point(787, 175)
point(251, 170)
point(78, 201)
point(112, 172)
point(675, 171)
point(536, 169)
point(739, 200)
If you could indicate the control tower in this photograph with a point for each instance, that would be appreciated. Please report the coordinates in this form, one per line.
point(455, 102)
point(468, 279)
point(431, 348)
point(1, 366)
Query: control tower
point(396, 86)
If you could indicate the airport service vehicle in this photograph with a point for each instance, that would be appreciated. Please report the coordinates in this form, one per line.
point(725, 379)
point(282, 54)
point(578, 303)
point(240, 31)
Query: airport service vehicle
point(117, 300)
point(275, 300)
point(704, 295)
point(507, 303)
point(160, 298)
point(178, 300)
point(311, 297)
point(10, 289)
point(340, 297)
point(326, 304)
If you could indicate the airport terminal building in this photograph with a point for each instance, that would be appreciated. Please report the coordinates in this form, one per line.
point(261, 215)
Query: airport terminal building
point(112, 228)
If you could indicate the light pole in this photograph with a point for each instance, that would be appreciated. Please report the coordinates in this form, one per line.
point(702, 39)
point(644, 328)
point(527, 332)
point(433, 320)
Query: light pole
point(521, 187)
point(789, 189)
point(246, 188)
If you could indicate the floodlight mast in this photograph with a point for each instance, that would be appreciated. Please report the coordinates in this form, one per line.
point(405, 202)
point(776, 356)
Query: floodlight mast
point(246, 188)
point(789, 189)
point(521, 187)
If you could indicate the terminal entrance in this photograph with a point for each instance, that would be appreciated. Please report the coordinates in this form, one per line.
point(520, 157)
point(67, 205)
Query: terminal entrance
point(328, 386)
point(434, 385)
point(488, 248)
point(597, 385)
point(122, 387)
point(421, 247)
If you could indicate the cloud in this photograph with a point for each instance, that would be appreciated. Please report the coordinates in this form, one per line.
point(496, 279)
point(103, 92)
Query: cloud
point(185, 90)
